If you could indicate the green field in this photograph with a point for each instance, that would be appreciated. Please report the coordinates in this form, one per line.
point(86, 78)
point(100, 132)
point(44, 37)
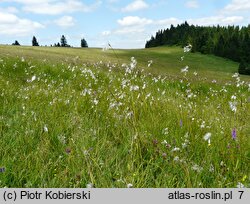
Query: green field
point(74, 117)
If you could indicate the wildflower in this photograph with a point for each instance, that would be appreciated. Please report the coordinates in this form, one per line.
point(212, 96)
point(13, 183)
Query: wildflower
point(68, 150)
point(188, 48)
point(130, 185)
point(176, 149)
point(164, 155)
point(233, 106)
point(90, 185)
point(176, 159)
point(236, 75)
point(211, 169)
point(181, 123)
point(207, 136)
point(165, 131)
point(150, 62)
point(185, 70)
point(155, 142)
point(240, 185)
point(2, 169)
point(134, 88)
point(233, 97)
point(33, 78)
point(197, 168)
point(234, 134)
point(45, 128)
point(182, 58)
point(164, 142)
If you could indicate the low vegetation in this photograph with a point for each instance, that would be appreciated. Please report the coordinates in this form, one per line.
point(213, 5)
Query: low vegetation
point(116, 118)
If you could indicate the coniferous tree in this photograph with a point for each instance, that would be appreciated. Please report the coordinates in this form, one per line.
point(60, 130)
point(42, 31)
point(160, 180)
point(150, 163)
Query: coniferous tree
point(63, 41)
point(232, 42)
point(34, 41)
point(16, 43)
point(84, 43)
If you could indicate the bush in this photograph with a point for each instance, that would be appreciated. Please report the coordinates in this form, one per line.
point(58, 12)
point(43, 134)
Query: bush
point(244, 68)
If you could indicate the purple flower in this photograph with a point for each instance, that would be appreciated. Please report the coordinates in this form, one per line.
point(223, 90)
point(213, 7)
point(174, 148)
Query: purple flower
point(234, 134)
point(181, 123)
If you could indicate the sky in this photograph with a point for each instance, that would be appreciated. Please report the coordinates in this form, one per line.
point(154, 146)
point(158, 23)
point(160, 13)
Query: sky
point(122, 23)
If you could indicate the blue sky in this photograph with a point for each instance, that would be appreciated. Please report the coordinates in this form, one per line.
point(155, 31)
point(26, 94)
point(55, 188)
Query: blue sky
point(122, 23)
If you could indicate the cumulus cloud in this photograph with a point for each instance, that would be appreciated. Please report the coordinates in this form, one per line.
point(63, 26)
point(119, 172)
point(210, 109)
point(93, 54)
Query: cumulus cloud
point(237, 6)
point(65, 21)
point(56, 7)
point(215, 20)
point(134, 20)
point(10, 24)
point(135, 6)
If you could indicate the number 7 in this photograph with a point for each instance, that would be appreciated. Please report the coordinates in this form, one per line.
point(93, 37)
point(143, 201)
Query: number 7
point(241, 193)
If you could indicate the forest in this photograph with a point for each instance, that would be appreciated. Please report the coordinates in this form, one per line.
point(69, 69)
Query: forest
point(231, 42)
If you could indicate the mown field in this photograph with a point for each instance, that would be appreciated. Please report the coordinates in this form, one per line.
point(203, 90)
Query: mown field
point(122, 118)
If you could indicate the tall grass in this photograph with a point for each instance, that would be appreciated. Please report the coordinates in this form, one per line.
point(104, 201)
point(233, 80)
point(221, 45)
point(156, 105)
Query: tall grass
point(110, 125)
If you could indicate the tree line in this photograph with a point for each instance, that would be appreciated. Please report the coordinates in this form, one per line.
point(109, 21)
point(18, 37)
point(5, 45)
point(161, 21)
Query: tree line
point(63, 42)
point(232, 42)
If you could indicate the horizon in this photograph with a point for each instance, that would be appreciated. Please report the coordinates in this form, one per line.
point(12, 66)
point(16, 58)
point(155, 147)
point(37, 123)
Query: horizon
point(124, 24)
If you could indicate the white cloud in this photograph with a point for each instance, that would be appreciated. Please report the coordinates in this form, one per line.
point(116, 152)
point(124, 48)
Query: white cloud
point(55, 7)
point(237, 6)
point(192, 4)
point(10, 24)
point(134, 20)
point(65, 21)
point(9, 9)
point(215, 20)
point(135, 6)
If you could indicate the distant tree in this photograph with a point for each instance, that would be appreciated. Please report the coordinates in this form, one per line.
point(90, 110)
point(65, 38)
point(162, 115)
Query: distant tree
point(244, 68)
point(84, 43)
point(16, 43)
point(63, 41)
point(34, 41)
point(58, 45)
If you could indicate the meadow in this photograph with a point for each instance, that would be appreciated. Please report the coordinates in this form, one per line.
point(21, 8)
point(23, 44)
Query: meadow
point(154, 118)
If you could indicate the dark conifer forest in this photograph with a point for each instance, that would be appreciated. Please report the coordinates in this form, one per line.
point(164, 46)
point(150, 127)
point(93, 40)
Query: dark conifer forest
point(232, 42)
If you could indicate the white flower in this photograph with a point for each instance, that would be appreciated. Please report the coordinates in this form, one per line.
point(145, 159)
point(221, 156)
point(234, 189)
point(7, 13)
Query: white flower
point(233, 106)
point(89, 185)
point(236, 75)
point(197, 168)
point(45, 128)
point(176, 149)
point(134, 88)
point(150, 62)
point(176, 158)
point(233, 97)
point(164, 142)
point(33, 78)
point(130, 185)
point(185, 69)
point(240, 185)
point(188, 48)
point(207, 136)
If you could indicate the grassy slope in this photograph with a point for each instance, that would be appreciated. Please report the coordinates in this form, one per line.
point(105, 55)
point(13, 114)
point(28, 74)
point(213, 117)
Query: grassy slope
point(78, 123)
point(166, 59)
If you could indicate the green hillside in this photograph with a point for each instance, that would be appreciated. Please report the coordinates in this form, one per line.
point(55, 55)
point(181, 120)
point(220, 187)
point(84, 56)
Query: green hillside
point(77, 118)
point(166, 60)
